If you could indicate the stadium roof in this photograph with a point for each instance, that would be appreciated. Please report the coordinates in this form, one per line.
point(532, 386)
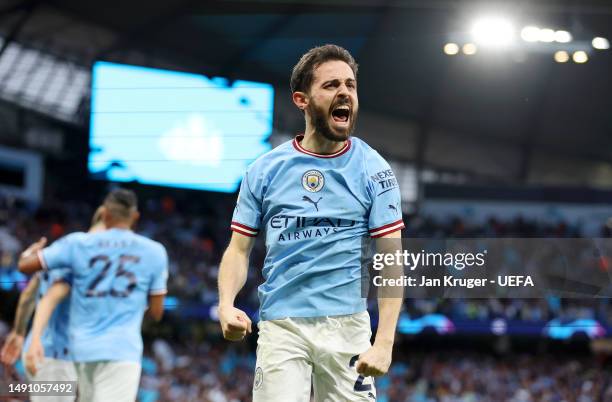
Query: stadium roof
point(513, 116)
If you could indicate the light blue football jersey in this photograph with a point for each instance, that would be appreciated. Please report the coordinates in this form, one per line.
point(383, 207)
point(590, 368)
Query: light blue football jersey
point(315, 210)
point(55, 336)
point(113, 272)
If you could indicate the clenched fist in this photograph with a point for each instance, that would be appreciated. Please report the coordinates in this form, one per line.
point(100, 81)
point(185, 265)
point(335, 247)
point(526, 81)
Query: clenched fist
point(375, 361)
point(235, 324)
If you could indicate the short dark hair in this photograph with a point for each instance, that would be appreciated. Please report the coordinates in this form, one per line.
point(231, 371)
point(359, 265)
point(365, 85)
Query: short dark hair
point(303, 72)
point(121, 203)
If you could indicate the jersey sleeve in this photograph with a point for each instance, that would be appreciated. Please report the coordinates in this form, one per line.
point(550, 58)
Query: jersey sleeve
point(247, 214)
point(160, 273)
point(386, 204)
point(57, 255)
point(60, 275)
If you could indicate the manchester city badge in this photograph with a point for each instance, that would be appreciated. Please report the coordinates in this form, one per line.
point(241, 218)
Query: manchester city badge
point(313, 181)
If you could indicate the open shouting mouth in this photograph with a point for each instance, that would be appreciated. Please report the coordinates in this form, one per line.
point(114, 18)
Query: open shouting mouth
point(341, 115)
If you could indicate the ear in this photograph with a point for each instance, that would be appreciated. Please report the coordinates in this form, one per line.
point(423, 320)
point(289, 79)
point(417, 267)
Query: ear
point(135, 217)
point(300, 99)
point(103, 213)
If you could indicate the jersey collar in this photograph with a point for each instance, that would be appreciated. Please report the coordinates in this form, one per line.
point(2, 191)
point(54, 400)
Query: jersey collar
point(298, 146)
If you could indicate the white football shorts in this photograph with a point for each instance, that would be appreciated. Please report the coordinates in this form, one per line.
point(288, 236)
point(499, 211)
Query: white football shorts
point(107, 381)
point(295, 353)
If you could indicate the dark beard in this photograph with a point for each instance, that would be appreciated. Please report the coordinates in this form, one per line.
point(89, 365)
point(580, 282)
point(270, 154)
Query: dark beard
point(319, 119)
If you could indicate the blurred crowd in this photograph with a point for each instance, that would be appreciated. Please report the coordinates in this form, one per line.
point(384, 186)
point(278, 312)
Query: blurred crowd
point(470, 377)
point(454, 226)
point(529, 310)
point(224, 374)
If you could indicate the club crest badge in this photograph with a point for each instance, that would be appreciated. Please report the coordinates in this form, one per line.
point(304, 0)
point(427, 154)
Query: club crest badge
point(313, 181)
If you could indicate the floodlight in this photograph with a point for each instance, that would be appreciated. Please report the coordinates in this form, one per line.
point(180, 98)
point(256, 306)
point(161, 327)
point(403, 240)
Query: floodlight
point(562, 56)
point(563, 37)
point(493, 31)
point(530, 34)
point(470, 49)
point(580, 57)
point(546, 35)
point(601, 43)
point(451, 49)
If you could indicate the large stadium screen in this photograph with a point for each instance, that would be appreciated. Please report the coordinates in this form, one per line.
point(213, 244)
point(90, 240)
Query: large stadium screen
point(176, 129)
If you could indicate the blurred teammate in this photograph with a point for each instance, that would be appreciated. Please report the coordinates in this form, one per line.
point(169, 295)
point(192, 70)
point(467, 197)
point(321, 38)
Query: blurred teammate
point(114, 274)
point(315, 197)
point(55, 363)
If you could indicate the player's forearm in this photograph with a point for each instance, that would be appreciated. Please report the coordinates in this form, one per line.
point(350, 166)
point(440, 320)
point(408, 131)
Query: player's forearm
point(41, 318)
point(24, 312)
point(46, 306)
point(232, 275)
point(390, 298)
point(25, 307)
point(388, 313)
point(390, 301)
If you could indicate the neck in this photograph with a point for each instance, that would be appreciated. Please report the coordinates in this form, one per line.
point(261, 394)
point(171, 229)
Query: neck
point(315, 142)
point(118, 225)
